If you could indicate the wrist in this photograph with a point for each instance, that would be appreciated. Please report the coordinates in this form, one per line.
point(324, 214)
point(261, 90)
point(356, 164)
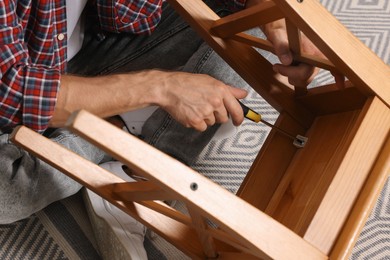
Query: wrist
point(164, 92)
point(154, 86)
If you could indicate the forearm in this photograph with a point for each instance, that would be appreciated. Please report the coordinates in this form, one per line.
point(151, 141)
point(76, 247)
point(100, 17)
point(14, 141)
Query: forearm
point(194, 100)
point(106, 95)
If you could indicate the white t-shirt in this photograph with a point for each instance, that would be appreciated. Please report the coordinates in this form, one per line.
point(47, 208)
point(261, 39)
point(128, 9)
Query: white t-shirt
point(75, 28)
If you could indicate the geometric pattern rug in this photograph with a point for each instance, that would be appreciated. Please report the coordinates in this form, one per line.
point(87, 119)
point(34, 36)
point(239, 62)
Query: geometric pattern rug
point(60, 231)
point(63, 231)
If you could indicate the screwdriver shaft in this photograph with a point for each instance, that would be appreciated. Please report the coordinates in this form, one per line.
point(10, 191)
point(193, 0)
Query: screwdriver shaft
point(278, 129)
point(256, 117)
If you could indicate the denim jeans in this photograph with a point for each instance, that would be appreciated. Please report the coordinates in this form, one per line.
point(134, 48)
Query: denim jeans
point(27, 184)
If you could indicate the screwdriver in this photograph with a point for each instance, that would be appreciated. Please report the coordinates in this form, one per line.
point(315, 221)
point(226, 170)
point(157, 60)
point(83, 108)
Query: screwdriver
point(299, 140)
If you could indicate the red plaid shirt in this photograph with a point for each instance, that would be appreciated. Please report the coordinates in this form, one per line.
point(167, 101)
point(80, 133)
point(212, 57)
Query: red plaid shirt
point(33, 51)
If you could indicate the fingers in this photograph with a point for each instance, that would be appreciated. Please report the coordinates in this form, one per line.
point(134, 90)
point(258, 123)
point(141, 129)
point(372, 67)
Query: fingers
point(200, 101)
point(228, 107)
point(220, 115)
point(282, 49)
point(299, 75)
point(210, 120)
point(235, 111)
point(219, 110)
point(199, 125)
point(233, 107)
point(202, 121)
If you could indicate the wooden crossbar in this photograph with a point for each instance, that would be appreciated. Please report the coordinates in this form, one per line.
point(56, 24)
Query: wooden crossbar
point(247, 19)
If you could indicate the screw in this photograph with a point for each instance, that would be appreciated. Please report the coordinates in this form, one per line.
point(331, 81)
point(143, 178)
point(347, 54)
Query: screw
point(194, 186)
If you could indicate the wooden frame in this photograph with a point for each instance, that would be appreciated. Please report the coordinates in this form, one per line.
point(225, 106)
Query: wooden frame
point(308, 203)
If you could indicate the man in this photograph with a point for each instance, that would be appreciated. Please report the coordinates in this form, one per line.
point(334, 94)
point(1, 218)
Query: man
point(127, 63)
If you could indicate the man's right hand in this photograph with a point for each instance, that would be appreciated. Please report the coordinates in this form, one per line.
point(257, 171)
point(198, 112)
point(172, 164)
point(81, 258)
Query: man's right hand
point(194, 100)
point(199, 101)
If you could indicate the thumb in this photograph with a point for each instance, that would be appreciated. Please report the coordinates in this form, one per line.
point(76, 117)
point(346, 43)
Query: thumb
point(283, 52)
point(238, 92)
point(279, 40)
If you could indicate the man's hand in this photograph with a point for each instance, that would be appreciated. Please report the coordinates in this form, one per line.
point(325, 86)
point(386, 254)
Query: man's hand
point(298, 74)
point(199, 101)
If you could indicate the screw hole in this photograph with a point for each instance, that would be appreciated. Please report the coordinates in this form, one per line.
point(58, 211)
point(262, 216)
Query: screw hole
point(194, 186)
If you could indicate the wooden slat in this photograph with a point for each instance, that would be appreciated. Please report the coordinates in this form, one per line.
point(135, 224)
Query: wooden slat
point(346, 99)
point(363, 207)
point(351, 175)
point(294, 41)
point(294, 38)
point(254, 41)
point(220, 235)
point(248, 18)
point(140, 191)
point(366, 70)
point(166, 210)
point(200, 225)
point(317, 62)
point(209, 198)
point(235, 256)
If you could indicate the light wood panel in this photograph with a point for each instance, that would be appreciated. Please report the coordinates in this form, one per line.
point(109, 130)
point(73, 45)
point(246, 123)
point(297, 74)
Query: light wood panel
point(363, 206)
point(365, 147)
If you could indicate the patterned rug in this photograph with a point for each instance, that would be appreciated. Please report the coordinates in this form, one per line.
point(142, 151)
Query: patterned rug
point(63, 230)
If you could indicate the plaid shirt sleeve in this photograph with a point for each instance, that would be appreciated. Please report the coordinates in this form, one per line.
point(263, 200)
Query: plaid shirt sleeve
point(27, 93)
point(138, 16)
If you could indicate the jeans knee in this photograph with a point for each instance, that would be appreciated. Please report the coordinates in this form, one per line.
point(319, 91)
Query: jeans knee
point(27, 184)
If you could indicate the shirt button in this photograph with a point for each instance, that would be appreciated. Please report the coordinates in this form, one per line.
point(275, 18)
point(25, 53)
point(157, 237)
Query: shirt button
point(60, 36)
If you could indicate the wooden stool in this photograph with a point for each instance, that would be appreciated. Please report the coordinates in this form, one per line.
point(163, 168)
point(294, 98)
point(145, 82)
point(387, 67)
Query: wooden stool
point(308, 203)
